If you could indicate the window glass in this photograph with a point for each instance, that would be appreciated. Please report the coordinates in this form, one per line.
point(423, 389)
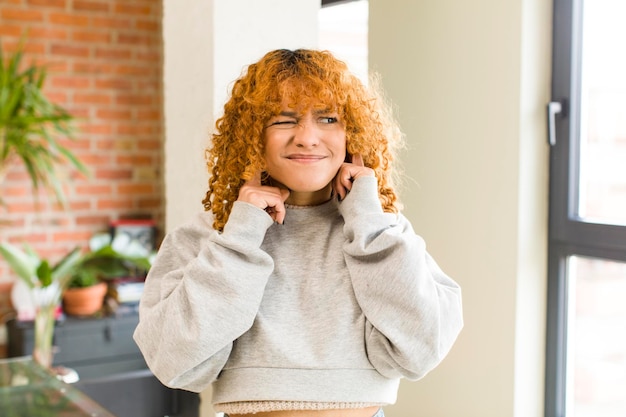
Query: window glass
point(602, 182)
point(343, 29)
point(596, 338)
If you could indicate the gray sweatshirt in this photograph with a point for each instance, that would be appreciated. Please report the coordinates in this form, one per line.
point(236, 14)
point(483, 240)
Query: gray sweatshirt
point(335, 305)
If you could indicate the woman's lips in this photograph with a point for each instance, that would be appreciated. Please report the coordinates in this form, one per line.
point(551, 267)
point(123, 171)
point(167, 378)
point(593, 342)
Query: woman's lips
point(305, 157)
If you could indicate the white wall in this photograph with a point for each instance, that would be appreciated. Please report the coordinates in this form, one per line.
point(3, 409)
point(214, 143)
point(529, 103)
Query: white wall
point(471, 80)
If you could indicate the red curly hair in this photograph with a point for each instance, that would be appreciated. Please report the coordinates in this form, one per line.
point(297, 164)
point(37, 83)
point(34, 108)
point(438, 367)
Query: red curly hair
point(312, 79)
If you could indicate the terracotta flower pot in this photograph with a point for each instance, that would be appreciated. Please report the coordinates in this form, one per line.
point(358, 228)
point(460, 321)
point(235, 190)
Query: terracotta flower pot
point(84, 301)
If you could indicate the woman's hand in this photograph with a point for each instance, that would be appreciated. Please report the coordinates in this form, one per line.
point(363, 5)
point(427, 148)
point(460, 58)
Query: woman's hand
point(270, 199)
point(349, 171)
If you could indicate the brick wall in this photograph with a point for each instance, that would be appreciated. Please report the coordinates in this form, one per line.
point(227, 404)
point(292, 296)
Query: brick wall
point(105, 67)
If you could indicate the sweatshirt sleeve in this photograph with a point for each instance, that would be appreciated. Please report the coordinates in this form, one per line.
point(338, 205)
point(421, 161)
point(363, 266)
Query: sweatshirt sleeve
point(413, 309)
point(202, 292)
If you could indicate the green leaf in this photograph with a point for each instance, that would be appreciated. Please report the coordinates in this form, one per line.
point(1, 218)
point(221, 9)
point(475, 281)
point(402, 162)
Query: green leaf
point(62, 271)
point(22, 263)
point(44, 273)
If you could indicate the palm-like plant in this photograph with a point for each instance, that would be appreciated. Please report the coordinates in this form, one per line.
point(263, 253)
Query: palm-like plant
point(30, 125)
point(45, 283)
point(37, 272)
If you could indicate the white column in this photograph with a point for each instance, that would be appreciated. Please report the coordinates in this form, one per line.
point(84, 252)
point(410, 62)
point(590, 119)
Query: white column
point(207, 43)
point(471, 80)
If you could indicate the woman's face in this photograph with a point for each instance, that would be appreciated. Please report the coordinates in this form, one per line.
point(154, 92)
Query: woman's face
point(304, 151)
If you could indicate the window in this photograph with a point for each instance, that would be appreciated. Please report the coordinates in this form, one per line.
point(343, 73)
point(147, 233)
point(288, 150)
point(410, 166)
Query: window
point(586, 334)
point(343, 28)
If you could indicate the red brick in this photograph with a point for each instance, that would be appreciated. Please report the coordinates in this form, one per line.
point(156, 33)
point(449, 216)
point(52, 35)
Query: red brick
point(10, 30)
point(94, 160)
point(111, 23)
point(22, 15)
point(134, 99)
point(34, 238)
point(20, 207)
point(142, 70)
point(70, 50)
point(153, 86)
point(113, 53)
point(134, 129)
point(16, 176)
point(114, 114)
point(59, 4)
point(135, 188)
point(113, 84)
point(113, 174)
point(52, 221)
point(31, 49)
point(92, 6)
point(70, 82)
point(91, 189)
point(123, 144)
point(71, 236)
point(55, 67)
point(95, 128)
point(115, 204)
point(48, 32)
point(9, 192)
point(149, 115)
point(133, 9)
point(105, 144)
point(58, 97)
point(136, 39)
point(89, 67)
point(77, 145)
point(148, 25)
point(92, 98)
point(79, 112)
point(91, 36)
point(80, 205)
point(137, 159)
point(69, 19)
point(92, 220)
point(150, 56)
point(150, 203)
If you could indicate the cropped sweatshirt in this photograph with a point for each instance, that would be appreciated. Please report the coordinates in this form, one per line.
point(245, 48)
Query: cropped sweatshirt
point(334, 306)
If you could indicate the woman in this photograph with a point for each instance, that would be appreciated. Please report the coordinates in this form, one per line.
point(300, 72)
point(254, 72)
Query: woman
point(301, 291)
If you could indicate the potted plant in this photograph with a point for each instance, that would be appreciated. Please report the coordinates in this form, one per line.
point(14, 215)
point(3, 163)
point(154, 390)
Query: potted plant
point(31, 125)
point(106, 260)
point(43, 284)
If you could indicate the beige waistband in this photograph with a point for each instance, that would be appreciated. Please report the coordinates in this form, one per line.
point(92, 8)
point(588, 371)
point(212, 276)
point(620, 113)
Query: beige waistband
point(251, 407)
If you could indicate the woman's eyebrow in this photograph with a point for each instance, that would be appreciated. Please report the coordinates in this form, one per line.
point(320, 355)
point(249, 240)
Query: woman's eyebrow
point(288, 113)
point(323, 111)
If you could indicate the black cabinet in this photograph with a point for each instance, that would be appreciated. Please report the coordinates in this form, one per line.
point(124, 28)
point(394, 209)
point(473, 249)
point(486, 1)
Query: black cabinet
point(112, 371)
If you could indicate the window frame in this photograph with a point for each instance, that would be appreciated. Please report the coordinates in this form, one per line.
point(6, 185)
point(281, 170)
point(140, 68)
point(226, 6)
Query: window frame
point(569, 235)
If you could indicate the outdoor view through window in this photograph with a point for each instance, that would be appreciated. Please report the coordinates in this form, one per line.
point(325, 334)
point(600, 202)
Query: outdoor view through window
point(596, 364)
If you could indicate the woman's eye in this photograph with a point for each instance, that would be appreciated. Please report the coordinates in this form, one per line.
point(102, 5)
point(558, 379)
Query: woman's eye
point(328, 120)
point(283, 124)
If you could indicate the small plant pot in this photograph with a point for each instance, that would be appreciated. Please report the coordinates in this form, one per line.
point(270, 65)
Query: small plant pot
point(84, 301)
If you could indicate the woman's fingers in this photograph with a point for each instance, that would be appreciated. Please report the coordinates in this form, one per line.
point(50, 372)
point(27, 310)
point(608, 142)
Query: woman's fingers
point(349, 171)
point(357, 160)
point(278, 212)
point(270, 199)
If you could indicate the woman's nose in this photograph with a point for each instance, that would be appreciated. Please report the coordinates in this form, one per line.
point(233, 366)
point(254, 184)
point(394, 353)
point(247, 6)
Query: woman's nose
point(307, 134)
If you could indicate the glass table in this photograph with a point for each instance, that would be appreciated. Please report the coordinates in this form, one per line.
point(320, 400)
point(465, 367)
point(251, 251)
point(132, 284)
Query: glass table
point(29, 390)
